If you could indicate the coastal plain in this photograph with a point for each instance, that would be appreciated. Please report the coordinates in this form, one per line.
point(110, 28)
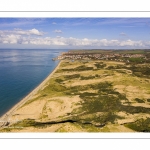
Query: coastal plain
point(86, 96)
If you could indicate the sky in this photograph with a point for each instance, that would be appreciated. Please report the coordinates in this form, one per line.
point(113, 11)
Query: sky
point(75, 33)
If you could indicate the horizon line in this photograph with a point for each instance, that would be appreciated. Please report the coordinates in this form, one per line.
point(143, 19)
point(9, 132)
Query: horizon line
point(79, 48)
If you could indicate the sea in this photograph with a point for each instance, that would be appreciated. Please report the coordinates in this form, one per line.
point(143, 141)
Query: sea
point(22, 70)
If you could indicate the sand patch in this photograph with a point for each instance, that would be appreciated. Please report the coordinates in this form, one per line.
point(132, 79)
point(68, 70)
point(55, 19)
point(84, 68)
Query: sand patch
point(133, 92)
point(116, 128)
point(57, 107)
point(32, 111)
point(50, 128)
point(141, 105)
point(127, 118)
point(120, 88)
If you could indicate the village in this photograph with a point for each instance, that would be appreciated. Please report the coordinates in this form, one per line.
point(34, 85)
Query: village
point(123, 57)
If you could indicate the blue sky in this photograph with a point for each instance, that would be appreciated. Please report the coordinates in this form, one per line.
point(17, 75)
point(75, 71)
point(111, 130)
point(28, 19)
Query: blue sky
point(75, 33)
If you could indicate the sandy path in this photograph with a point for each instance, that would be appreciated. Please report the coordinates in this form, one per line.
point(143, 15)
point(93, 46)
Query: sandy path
point(8, 114)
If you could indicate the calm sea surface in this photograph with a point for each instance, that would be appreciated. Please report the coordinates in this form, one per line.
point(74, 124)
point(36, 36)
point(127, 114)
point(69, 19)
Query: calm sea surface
point(21, 71)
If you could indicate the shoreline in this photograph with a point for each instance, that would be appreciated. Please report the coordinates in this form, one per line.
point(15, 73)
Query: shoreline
point(6, 116)
point(70, 109)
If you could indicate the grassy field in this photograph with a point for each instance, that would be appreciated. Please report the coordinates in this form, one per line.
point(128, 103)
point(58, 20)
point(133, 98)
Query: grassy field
point(123, 51)
point(92, 96)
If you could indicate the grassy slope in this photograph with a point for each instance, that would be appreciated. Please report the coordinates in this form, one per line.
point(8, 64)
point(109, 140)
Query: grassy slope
point(94, 97)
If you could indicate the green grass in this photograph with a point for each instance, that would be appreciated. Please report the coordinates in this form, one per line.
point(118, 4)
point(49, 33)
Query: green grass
point(59, 80)
point(139, 100)
point(79, 68)
point(141, 125)
point(140, 71)
point(70, 127)
point(148, 100)
point(74, 76)
point(105, 99)
point(29, 123)
point(54, 89)
point(86, 94)
point(100, 65)
point(134, 109)
point(87, 78)
point(90, 128)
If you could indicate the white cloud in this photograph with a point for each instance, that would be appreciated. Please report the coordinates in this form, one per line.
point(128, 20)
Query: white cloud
point(54, 23)
point(123, 34)
point(25, 42)
point(12, 39)
point(22, 32)
point(35, 32)
point(131, 43)
point(57, 31)
point(19, 36)
point(59, 41)
point(5, 42)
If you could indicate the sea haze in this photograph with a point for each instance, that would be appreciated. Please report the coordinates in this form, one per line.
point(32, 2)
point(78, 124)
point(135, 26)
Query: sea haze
point(21, 70)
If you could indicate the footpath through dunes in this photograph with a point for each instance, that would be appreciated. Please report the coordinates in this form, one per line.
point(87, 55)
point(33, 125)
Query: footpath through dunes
point(86, 96)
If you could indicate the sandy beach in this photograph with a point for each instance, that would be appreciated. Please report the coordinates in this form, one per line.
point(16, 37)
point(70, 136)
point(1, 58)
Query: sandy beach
point(8, 114)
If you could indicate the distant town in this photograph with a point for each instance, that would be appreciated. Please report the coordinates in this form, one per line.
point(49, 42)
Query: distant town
point(114, 55)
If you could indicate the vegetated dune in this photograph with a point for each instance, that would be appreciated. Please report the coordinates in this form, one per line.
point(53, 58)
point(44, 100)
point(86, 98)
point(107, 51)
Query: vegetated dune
point(92, 96)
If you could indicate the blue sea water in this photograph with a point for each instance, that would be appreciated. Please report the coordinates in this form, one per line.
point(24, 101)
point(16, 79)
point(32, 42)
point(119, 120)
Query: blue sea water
point(21, 70)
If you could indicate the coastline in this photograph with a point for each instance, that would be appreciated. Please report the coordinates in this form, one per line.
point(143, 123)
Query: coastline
point(8, 114)
point(77, 96)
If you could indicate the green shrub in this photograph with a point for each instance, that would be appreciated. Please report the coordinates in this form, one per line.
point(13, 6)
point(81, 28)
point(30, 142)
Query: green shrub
point(97, 75)
point(83, 68)
point(85, 94)
point(72, 76)
point(133, 109)
point(140, 70)
point(86, 78)
point(148, 100)
point(100, 65)
point(59, 80)
point(111, 67)
point(141, 125)
point(136, 60)
point(139, 100)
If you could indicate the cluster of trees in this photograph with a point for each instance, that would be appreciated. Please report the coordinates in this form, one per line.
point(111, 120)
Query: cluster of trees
point(140, 70)
point(100, 65)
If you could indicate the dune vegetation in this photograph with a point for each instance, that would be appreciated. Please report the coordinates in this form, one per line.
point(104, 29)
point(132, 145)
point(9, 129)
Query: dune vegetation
point(89, 96)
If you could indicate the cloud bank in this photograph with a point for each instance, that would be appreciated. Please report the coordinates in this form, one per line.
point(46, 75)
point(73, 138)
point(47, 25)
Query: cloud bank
point(35, 37)
point(21, 32)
